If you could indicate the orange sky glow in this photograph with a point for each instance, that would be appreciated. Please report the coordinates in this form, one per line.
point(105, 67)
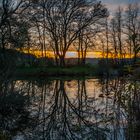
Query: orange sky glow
point(73, 54)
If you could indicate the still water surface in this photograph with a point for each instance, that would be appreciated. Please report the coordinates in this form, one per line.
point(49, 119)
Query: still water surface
point(88, 109)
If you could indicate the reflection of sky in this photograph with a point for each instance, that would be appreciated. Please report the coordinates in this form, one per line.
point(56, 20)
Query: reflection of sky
point(113, 4)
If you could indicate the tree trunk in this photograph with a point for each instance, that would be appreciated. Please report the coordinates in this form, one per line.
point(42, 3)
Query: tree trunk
point(62, 60)
point(56, 61)
point(135, 57)
point(78, 56)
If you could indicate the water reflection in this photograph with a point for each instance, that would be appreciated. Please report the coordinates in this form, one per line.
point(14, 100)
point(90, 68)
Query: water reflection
point(13, 112)
point(88, 109)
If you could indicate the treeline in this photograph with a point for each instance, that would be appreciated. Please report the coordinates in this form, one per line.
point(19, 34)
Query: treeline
point(121, 33)
point(62, 25)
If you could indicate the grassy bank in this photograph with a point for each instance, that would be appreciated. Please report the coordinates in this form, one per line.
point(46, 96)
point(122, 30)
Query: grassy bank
point(56, 71)
point(75, 71)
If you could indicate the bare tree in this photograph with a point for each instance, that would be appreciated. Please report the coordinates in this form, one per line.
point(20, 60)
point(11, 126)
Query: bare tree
point(13, 30)
point(85, 42)
point(107, 38)
point(132, 26)
point(62, 20)
point(119, 23)
point(9, 9)
point(114, 36)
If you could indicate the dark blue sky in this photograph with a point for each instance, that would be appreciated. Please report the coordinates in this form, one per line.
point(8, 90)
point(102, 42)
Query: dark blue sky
point(113, 4)
point(120, 1)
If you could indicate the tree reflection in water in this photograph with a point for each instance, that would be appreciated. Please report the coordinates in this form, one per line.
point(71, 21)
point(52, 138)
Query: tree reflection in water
point(94, 109)
point(66, 118)
point(13, 113)
point(126, 110)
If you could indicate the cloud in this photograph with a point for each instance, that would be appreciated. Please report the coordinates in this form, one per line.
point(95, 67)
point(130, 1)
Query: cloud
point(112, 5)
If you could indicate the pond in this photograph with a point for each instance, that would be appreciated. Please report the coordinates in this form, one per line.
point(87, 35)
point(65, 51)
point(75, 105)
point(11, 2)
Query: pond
point(86, 109)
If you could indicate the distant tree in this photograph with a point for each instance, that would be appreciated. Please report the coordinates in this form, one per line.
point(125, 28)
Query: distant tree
point(39, 23)
point(85, 42)
point(101, 43)
point(119, 25)
point(107, 38)
point(113, 33)
point(132, 26)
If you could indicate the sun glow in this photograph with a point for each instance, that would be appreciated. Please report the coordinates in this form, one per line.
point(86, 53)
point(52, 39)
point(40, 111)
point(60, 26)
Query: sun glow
point(74, 54)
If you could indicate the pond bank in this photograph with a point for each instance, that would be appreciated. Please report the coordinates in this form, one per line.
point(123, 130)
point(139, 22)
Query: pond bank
point(56, 71)
point(73, 71)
